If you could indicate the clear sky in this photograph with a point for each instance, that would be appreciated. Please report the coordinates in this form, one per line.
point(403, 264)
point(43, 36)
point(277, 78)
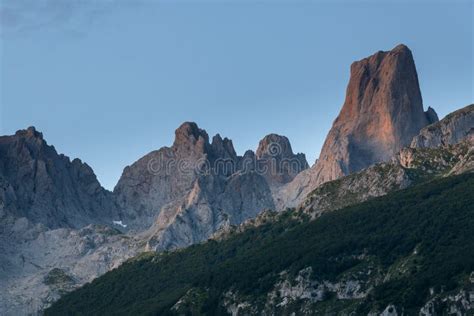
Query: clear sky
point(108, 81)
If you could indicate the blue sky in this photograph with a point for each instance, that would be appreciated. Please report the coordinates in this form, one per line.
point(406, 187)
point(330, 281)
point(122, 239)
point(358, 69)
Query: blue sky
point(108, 81)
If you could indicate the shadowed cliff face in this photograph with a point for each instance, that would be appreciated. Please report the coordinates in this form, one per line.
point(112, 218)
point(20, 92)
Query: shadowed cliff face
point(382, 112)
point(48, 188)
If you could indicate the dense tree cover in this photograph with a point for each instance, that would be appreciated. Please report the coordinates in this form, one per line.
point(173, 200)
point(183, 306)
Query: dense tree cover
point(435, 218)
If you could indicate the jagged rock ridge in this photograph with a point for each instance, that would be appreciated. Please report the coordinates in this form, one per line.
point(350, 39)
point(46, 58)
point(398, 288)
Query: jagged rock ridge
point(276, 155)
point(450, 130)
point(46, 187)
point(52, 216)
point(161, 176)
point(186, 192)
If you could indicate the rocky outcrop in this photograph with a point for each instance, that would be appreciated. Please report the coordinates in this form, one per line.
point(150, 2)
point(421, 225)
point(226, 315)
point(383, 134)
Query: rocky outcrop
point(50, 207)
point(212, 204)
point(431, 115)
point(48, 188)
point(408, 167)
point(278, 163)
point(450, 130)
point(162, 176)
point(223, 149)
point(382, 112)
point(465, 161)
point(185, 193)
point(52, 216)
point(38, 265)
point(305, 286)
point(374, 181)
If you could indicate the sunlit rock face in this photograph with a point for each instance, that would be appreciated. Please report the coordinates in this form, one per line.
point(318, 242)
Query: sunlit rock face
point(382, 112)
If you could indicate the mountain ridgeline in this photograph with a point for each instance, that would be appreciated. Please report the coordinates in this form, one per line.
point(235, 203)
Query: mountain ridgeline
point(48, 188)
point(159, 185)
point(378, 225)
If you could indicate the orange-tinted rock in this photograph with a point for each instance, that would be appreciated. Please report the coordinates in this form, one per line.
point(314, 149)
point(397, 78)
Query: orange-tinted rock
point(382, 112)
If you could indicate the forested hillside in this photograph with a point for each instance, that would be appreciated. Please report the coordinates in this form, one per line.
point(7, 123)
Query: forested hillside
point(398, 251)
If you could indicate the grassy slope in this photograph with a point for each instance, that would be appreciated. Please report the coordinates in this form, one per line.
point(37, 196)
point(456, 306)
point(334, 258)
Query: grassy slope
point(436, 218)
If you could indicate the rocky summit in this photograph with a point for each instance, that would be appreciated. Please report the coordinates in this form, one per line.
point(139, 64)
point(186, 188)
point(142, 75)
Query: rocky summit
point(183, 194)
point(46, 203)
point(161, 176)
point(382, 112)
point(48, 188)
point(277, 158)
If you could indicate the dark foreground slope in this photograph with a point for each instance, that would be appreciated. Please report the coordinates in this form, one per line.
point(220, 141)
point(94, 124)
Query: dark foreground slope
point(406, 250)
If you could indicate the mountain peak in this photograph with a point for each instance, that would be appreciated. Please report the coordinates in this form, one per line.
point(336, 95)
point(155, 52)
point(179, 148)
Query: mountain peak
point(48, 187)
point(274, 145)
point(382, 112)
point(223, 148)
point(401, 48)
point(30, 132)
point(431, 115)
point(189, 132)
point(281, 164)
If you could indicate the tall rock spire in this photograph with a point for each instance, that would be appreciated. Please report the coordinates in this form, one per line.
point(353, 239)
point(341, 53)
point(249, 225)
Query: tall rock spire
point(382, 112)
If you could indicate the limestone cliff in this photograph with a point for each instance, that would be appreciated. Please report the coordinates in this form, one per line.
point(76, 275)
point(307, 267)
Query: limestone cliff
point(450, 130)
point(382, 112)
point(48, 188)
point(183, 194)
